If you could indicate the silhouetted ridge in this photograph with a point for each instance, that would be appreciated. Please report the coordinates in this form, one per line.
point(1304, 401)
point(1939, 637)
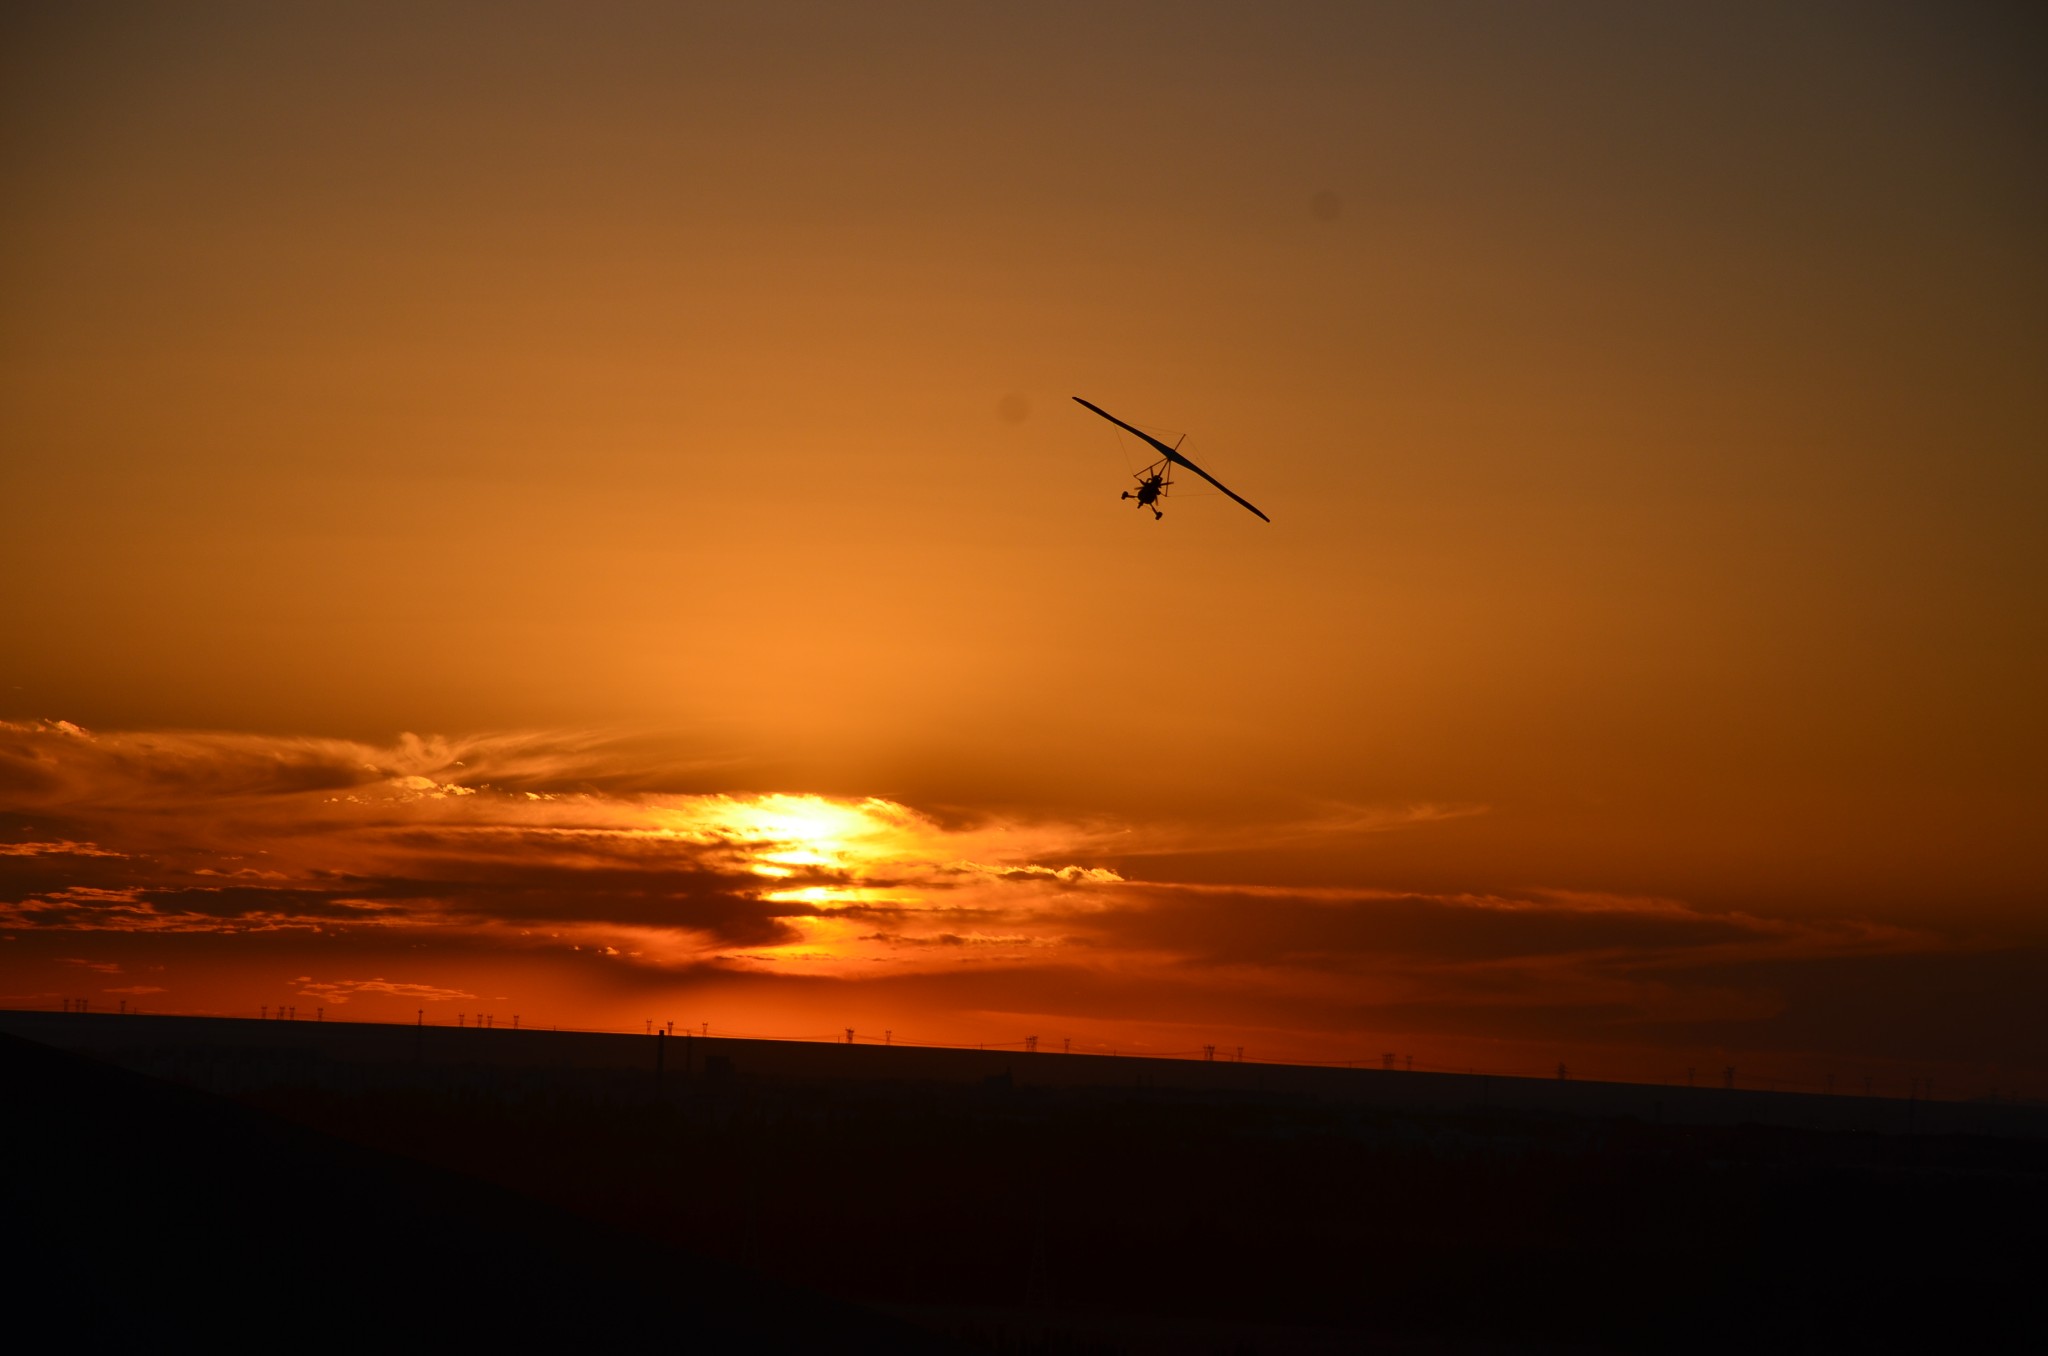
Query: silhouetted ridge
point(1019, 1202)
point(141, 1213)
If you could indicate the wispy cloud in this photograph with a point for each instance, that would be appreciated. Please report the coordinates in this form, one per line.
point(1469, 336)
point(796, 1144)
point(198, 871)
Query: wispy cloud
point(339, 991)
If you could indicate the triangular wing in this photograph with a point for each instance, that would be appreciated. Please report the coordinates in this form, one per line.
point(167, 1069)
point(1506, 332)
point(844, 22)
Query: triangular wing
point(1176, 458)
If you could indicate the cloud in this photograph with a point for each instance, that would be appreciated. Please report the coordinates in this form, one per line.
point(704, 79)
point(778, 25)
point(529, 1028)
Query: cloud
point(619, 855)
point(513, 836)
point(337, 992)
point(140, 909)
point(240, 833)
point(956, 939)
point(1315, 926)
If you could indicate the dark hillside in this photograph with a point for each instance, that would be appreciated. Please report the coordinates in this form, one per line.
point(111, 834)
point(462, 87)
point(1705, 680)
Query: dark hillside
point(154, 1217)
point(1020, 1216)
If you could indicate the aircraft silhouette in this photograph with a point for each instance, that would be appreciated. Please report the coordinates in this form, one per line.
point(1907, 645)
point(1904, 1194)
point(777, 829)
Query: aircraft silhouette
point(1154, 480)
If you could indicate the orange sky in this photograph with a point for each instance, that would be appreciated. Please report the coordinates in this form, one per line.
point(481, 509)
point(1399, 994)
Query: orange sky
point(652, 404)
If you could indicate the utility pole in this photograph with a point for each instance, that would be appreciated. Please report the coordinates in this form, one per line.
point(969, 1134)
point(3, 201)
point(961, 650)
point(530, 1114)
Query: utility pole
point(1066, 1045)
point(1240, 1054)
point(1387, 1060)
point(1563, 1074)
point(1728, 1078)
point(849, 1035)
point(1410, 1061)
point(265, 1010)
point(1208, 1054)
point(319, 1014)
point(1688, 1075)
point(1031, 1045)
point(888, 1038)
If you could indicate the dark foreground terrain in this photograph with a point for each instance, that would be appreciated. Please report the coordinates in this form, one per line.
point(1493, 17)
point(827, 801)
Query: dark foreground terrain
point(151, 1217)
point(337, 1186)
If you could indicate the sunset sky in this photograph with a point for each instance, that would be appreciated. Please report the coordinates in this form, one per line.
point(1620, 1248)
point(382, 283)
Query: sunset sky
point(577, 511)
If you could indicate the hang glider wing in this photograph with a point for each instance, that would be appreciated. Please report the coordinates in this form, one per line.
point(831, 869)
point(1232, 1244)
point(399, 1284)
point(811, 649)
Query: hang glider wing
point(1176, 458)
point(1183, 461)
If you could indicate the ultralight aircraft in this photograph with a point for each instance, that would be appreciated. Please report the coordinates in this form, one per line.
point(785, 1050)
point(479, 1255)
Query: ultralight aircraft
point(1155, 479)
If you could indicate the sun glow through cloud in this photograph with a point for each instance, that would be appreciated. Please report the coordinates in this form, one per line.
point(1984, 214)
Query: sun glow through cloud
point(442, 870)
point(339, 838)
